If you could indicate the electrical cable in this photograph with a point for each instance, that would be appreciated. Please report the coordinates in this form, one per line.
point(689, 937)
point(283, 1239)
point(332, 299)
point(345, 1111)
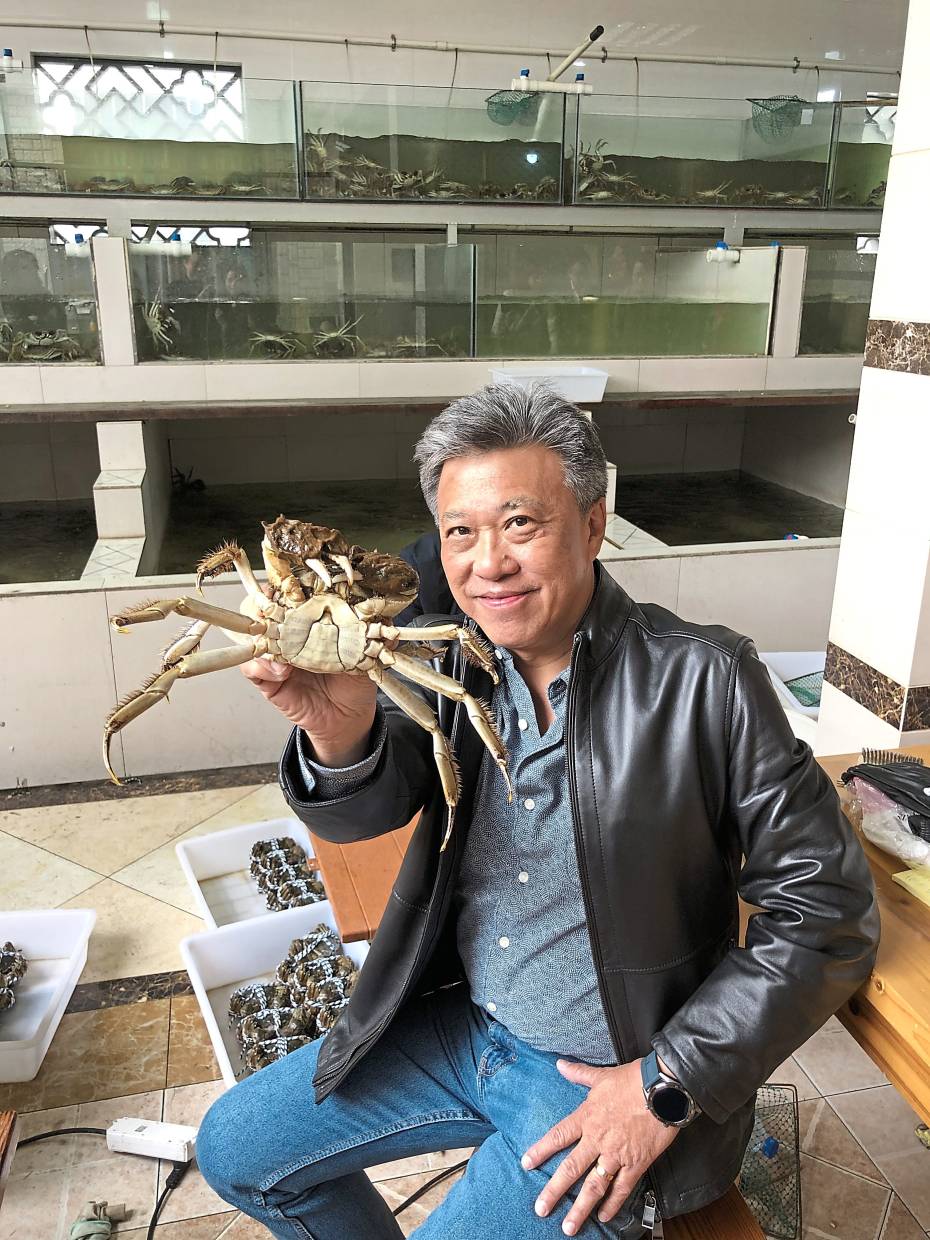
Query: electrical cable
point(175, 1175)
point(424, 1188)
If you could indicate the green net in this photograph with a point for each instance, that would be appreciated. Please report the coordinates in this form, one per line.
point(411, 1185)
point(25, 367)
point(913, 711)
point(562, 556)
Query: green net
point(770, 1175)
point(777, 117)
point(508, 106)
point(806, 690)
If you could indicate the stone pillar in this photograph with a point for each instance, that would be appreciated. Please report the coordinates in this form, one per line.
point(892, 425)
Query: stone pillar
point(877, 678)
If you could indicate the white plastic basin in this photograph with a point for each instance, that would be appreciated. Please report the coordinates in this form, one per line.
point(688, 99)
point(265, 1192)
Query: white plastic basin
point(219, 961)
point(54, 942)
point(216, 867)
point(581, 383)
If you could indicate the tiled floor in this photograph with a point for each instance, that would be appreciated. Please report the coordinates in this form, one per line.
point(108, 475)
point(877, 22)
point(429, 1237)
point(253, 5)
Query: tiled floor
point(864, 1174)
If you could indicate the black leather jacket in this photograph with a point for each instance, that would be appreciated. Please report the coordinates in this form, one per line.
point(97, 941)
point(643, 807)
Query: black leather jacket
point(687, 787)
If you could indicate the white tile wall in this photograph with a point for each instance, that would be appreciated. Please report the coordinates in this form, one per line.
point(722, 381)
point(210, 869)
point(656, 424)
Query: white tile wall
point(806, 449)
point(119, 512)
point(881, 584)
point(844, 726)
point(902, 271)
point(912, 128)
point(802, 374)
point(702, 374)
point(121, 445)
point(280, 381)
point(647, 581)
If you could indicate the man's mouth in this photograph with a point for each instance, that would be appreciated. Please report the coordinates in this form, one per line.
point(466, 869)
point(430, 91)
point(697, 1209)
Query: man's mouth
point(502, 600)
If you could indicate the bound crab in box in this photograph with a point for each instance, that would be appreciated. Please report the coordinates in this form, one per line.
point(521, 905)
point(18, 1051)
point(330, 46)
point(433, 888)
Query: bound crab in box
point(330, 612)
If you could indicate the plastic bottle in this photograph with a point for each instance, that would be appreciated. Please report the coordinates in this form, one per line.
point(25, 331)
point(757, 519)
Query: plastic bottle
point(6, 60)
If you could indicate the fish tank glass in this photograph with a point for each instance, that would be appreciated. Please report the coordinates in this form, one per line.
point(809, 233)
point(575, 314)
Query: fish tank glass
point(654, 151)
point(837, 294)
point(619, 296)
point(132, 127)
point(215, 293)
point(862, 148)
point(376, 142)
point(48, 310)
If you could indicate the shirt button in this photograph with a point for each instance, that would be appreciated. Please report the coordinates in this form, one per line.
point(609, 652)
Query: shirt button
point(504, 941)
point(529, 803)
point(522, 725)
point(523, 876)
point(492, 1007)
point(498, 654)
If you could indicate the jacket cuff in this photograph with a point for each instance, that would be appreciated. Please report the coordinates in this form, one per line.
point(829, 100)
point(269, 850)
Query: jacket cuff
point(331, 783)
point(694, 1082)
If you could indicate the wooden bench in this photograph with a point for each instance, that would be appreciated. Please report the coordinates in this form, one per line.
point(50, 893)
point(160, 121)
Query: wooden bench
point(7, 1146)
point(727, 1219)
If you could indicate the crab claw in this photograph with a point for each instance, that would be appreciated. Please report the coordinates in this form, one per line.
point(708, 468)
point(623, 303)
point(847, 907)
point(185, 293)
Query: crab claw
point(153, 690)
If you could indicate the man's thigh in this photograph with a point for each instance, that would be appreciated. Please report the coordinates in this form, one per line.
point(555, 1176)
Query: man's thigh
point(413, 1093)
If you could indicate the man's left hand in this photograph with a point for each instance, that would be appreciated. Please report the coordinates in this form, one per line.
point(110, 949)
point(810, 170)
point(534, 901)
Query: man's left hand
point(612, 1128)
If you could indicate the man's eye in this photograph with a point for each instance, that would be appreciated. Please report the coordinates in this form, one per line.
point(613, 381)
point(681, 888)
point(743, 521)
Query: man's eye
point(457, 529)
point(520, 522)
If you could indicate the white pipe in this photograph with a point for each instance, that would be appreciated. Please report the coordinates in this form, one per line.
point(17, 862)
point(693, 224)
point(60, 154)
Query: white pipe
point(289, 36)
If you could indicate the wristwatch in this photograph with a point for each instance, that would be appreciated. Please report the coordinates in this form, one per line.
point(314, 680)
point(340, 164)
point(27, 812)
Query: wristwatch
point(666, 1098)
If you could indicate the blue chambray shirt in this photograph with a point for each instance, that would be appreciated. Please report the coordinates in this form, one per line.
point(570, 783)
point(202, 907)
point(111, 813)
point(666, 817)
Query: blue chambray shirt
point(522, 933)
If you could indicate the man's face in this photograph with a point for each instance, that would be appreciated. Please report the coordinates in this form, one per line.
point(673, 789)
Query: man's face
point(515, 548)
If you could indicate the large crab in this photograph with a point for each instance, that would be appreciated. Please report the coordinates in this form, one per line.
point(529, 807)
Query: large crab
point(330, 612)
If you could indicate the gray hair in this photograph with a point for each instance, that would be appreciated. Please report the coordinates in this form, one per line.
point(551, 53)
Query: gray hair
point(506, 415)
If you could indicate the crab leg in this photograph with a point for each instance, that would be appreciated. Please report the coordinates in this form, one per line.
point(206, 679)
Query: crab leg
point(160, 609)
point(157, 688)
point(413, 705)
point(474, 648)
point(230, 555)
point(478, 714)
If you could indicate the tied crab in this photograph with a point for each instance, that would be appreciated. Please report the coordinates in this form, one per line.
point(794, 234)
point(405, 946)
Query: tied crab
point(330, 612)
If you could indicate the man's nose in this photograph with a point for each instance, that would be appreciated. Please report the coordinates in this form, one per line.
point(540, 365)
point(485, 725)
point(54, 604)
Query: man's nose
point(492, 558)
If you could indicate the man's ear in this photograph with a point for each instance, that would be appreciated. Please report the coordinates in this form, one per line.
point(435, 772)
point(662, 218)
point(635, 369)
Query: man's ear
point(597, 524)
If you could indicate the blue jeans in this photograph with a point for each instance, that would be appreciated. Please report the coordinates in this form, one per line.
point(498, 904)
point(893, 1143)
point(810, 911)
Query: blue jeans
point(444, 1075)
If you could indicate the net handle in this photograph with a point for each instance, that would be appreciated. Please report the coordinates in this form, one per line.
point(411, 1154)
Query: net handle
point(573, 56)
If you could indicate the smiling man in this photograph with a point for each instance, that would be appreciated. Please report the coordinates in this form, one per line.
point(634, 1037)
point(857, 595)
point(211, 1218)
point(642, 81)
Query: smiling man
point(561, 986)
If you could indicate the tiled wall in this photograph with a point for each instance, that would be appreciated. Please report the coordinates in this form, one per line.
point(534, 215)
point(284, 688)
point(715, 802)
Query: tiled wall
point(672, 440)
point(806, 449)
point(47, 460)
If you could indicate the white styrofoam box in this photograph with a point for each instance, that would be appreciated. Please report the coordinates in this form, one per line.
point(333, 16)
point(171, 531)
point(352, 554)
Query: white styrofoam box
point(216, 867)
point(786, 665)
point(54, 942)
point(585, 383)
point(219, 961)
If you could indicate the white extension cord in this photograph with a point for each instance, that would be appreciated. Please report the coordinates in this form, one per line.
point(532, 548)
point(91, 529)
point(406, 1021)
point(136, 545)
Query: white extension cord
point(152, 1138)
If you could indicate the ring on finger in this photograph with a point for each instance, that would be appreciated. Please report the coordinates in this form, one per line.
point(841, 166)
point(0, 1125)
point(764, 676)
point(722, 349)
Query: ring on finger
point(601, 1170)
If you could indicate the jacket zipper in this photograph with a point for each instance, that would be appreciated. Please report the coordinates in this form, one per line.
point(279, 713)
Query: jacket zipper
point(650, 1211)
point(363, 1046)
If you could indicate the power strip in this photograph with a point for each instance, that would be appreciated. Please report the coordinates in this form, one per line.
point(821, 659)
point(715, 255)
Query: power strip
point(152, 1138)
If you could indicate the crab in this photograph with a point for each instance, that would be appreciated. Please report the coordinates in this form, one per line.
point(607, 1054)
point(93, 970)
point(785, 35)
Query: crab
point(54, 346)
point(330, 612)
point(281, 346)
point(714, 194)
point(337, 341)
point(160, 321)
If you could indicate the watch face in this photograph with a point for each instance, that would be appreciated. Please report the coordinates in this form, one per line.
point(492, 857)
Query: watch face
point(671, 1104)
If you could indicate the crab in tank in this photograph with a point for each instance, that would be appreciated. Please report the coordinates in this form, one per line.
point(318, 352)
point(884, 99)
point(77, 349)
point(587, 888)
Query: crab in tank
point(330, 612)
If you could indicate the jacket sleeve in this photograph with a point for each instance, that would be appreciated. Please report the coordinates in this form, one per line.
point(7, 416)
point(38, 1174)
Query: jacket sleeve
point(814, 942)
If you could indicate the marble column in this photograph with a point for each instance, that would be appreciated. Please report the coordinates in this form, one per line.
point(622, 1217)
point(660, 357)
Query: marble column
point(877, 678)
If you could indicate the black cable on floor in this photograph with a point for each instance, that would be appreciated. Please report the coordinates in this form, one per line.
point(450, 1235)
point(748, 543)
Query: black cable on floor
point(60, 1132)
point(424, 1188)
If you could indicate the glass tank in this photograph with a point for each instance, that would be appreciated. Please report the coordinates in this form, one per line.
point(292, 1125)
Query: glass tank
point(130, 127)
point(610, 296)
point(646, 151)
point(423, 142)
point(862, 148)
point(225, 293)
point(837, 294)
point(48, 311)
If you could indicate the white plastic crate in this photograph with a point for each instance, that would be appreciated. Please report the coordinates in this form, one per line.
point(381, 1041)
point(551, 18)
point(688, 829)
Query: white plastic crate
point(219, 961)
point(784, 665)
point(54, 942)
point(217, 869)
point(584, 383)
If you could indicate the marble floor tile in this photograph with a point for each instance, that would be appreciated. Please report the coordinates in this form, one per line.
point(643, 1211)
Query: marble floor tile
point(396, 1191)
point(838, 1204)
point(134, 933)
point(883, 1124)
point(34, 1206)
point(398, 1167)
point(209, 1227)
point(836, 1063)
point(264, 802)
point(825, 1136)
point(187, 1104)
point(190, 1052)
point(900, 1224)
point(31, 877)
point(51, 1155)
point(106, 835)
point(96, 1055)
point(791, 1073)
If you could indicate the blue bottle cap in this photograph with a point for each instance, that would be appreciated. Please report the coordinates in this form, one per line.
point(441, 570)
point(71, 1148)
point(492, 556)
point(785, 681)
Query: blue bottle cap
point(721, 245)
point(8, 51)
point(579, 77)
point(175, 236)
point(78, 238)
point(524, 73)
point(770, 1147)
point(775, 243)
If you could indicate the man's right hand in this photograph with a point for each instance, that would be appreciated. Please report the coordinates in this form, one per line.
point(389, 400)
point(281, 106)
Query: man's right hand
point(335, 711)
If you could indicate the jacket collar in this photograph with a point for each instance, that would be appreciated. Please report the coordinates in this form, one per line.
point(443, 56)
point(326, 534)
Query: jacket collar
point(604, 622)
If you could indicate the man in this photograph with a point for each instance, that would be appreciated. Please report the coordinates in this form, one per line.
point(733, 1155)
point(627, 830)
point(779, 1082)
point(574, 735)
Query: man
point(561, 986)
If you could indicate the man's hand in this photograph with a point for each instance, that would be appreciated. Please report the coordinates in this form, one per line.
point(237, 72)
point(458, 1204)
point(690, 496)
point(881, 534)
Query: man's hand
point(613, 1126)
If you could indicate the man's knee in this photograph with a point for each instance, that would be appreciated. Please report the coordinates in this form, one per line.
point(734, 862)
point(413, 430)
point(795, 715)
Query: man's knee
point(223, 1145)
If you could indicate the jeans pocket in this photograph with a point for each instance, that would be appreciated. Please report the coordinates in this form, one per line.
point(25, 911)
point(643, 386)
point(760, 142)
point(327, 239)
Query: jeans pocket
point(495, 1058)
